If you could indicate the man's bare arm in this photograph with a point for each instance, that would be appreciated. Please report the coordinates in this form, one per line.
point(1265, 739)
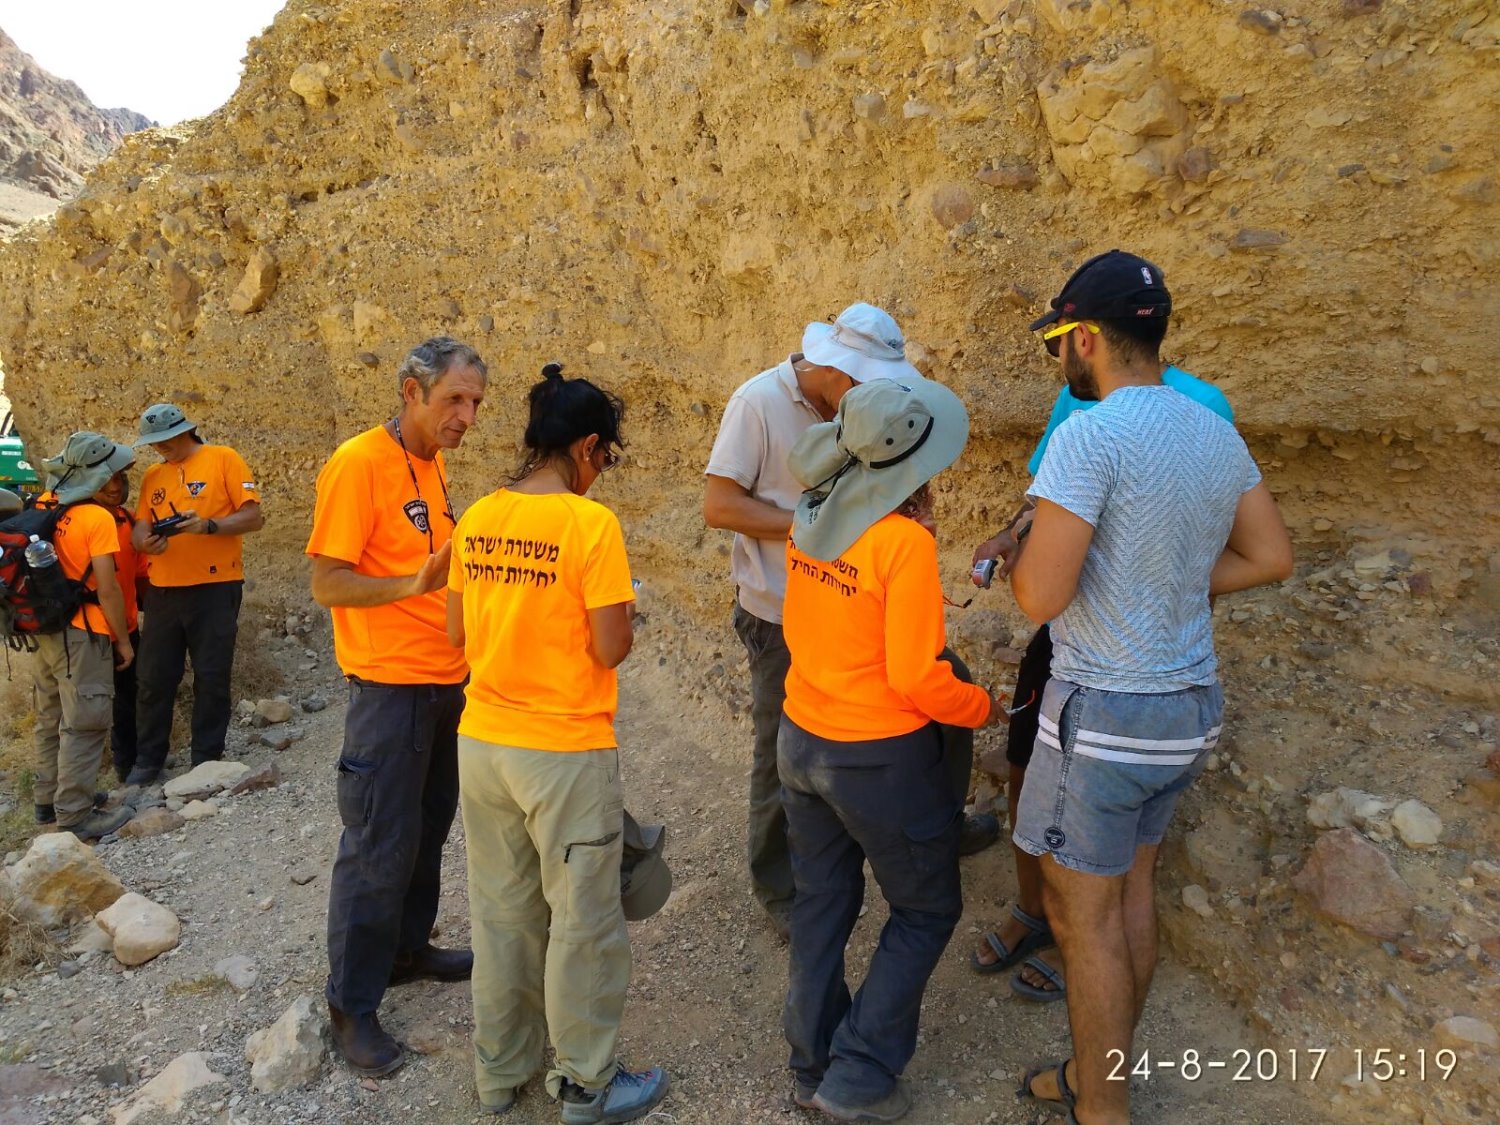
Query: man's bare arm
point(1259, 550)
point(728, 505)
point(335, 582)
point(1045, 579)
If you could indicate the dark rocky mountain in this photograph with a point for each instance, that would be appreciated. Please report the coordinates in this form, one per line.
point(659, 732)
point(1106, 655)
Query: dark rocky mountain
point(51, 135)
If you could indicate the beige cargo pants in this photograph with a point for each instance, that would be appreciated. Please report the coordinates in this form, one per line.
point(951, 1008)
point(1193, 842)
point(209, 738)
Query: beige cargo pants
point(73, 674)
point(544, 835)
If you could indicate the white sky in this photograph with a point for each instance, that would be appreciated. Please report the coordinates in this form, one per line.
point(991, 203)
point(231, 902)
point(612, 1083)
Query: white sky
point(168, 59)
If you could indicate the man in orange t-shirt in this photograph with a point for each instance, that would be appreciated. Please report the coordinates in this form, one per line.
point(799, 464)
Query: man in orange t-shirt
point(74, 670)
point(210, 502)
point(380, 550)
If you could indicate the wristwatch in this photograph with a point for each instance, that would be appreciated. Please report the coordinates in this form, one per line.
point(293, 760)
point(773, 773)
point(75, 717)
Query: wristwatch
point(210, 527)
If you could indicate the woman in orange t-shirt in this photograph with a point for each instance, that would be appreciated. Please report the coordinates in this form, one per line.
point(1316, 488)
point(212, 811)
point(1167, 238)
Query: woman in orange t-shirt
point(860, 752)
point(540, 599)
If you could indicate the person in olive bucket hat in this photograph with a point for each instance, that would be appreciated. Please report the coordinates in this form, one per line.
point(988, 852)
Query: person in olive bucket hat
point(194, 510)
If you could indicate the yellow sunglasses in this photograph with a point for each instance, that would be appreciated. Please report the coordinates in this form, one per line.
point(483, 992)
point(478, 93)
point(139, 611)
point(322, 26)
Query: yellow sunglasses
point(1052, 339)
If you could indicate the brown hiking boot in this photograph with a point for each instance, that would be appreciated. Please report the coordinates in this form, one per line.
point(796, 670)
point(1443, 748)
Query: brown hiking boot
point(362, 1043)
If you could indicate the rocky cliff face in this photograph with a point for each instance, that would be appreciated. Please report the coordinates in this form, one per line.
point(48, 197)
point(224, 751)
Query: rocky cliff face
point(662, 194)
point(51, 135)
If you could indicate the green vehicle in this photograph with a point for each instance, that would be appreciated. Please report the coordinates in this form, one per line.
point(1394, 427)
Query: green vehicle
point(16, 472)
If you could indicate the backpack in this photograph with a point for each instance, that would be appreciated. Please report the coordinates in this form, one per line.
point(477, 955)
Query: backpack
point(34, 603)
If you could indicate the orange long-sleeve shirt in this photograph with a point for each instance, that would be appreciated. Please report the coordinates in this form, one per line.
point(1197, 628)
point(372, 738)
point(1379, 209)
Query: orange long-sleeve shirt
point(865, 632)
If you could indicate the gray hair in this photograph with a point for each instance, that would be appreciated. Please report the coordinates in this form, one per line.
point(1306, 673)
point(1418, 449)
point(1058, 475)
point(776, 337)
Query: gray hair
point(430, 360)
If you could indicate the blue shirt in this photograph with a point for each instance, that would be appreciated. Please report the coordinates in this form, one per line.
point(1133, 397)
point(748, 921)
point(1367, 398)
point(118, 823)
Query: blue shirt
point(1066, 406)
point(1160, 478)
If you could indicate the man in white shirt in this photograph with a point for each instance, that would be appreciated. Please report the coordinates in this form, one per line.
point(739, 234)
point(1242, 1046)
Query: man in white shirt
point(751, 492)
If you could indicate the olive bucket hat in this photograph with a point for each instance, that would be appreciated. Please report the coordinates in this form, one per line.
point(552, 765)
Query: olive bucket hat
point(887, 440)
point(645, 880)
point(85, 465)
point(163, 422)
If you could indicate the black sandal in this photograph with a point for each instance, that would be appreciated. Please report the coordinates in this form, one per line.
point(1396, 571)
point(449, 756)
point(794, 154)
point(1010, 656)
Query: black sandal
point(1066, 1098)
point(1038, 939)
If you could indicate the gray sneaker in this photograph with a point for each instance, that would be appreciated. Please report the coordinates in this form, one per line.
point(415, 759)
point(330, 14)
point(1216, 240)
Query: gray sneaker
point(892, 1107)
point(629, 1095)
point(99, 824)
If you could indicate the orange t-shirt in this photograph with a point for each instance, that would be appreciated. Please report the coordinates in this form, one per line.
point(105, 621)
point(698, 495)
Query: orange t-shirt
point(865, 632)
point(368, 515)
point(86, 532)
point(214, 482)
point(529, 569)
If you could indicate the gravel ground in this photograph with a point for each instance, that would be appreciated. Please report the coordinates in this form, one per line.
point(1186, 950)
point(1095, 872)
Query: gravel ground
point(705, 995)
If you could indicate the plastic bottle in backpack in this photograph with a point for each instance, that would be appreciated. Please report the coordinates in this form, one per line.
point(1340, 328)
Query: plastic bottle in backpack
point(40, 554)
point(49, 586)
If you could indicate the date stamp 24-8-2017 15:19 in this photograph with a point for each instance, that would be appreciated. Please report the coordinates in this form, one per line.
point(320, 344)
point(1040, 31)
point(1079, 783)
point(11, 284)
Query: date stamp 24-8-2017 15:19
point(1382, 1064)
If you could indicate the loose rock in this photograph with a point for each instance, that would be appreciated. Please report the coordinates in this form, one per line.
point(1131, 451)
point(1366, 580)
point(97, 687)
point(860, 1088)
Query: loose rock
point(1346, 808)
point(239, 971)
point(1416, 824)
point(166, 1093)
point(152, 822)
point(274, 710)
point(1352, 881)
point(206, 780)
point(290, 1052)
point(1015, 175)
point(310, 83)
point(141, 928)
point(198, 810)
point(1195, 898)
point(61, 880)
point(261, 275)
point(1466, 1031)
point(267, 777)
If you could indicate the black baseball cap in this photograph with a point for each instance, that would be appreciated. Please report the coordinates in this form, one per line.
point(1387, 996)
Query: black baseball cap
point(1111, 286)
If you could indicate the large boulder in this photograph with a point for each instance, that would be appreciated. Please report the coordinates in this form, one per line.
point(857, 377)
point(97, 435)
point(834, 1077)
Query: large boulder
point(1352, 881)
point(164, 1095)
point(290, 1052)
point(60, 881)
point(141, 929)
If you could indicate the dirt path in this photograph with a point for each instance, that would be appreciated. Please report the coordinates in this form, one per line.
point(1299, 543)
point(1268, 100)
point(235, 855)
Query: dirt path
point(705, 998)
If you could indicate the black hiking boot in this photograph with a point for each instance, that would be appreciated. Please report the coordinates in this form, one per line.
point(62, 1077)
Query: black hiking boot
point(366, 1046)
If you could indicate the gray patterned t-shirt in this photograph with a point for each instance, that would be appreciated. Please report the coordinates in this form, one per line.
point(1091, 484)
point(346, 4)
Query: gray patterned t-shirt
point(1159, 477)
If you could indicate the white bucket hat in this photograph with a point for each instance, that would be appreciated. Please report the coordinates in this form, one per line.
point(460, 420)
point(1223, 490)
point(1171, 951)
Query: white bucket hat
point(864, 343)
point(887, 440)
point(85, 465)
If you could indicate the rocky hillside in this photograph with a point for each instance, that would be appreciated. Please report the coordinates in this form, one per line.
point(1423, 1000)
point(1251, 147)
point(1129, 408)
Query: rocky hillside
point(662, 194)
point(51, 135)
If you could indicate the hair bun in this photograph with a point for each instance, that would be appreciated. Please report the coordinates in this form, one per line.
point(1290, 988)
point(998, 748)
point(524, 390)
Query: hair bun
point(552, 371)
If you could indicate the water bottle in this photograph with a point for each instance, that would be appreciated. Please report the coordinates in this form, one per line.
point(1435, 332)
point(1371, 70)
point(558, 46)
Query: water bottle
point(48, 586)
point(40, 554)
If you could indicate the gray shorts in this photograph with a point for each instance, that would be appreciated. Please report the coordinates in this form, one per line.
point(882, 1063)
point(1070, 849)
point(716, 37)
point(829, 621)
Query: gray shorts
point(1107, 771)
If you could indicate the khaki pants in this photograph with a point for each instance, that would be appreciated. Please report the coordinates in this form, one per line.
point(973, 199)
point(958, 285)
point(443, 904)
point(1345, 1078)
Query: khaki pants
point(544, 839)
point(73, 673)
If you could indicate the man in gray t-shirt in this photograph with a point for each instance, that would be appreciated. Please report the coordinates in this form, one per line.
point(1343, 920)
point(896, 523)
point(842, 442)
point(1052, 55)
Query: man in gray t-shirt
point(1146, 506)
point(752, 492)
